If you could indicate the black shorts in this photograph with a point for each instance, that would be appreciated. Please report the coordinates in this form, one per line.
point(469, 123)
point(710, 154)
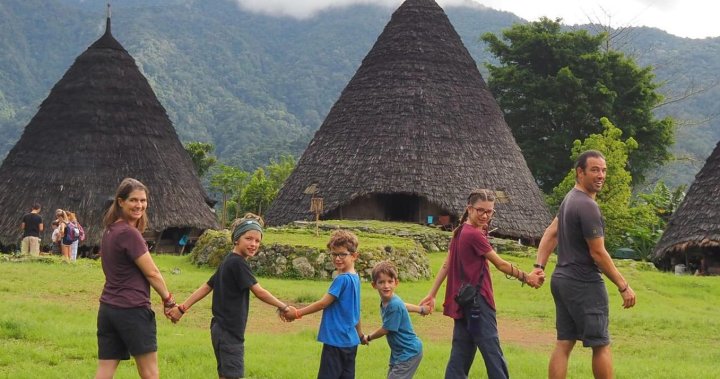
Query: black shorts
point(125, 332)
point(229, 352)
point(337, 362)
point(581, 311)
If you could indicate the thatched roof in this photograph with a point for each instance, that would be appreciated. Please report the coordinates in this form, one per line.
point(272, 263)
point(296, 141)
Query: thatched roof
point(696, 223)
point(100, 123)
point(417, 118)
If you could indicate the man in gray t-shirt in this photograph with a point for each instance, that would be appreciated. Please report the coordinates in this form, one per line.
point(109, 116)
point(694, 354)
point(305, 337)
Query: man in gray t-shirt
point(581, 300)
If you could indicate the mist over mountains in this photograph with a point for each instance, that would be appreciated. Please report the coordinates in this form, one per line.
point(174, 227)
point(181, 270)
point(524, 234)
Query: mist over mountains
point(258, 86)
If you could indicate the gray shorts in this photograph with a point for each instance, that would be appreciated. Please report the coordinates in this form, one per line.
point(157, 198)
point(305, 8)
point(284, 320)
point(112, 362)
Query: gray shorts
point(581, 311)
point(229, 352)
point(406, 369)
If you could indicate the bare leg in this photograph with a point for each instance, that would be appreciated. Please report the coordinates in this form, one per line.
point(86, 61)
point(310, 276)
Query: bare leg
point(65, 251)
point(602, 362)
point(106, 368)
point(147, 365)
point(559, 359)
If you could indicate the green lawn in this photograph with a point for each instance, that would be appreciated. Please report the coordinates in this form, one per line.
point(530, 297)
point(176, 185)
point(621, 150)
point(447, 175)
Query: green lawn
point(48, 311)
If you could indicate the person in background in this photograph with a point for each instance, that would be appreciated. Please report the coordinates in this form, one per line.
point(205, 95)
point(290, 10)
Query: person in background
point(126, 322)
point(56, 237)
point(31, 226)
point(72, 218)
point(577, 286)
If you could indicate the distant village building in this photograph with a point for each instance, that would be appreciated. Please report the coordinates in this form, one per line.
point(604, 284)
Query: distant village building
point(415, 130)
point(692, 236)
point(101, 123)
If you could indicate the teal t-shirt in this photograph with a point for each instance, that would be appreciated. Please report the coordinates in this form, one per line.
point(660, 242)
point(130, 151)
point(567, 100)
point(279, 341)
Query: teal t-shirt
point(404, 343)
point(337, 326)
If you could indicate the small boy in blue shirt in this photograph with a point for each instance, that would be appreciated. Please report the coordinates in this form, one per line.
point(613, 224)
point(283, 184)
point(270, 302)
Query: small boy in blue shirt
point(405, 346)
point(340, 330)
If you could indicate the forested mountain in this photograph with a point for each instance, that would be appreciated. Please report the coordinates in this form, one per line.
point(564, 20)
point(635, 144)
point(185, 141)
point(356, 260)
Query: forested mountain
point(258, 86)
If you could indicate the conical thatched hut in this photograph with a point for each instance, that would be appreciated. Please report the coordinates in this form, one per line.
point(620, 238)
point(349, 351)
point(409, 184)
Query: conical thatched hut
point(101, 123)
point(693, 232)
point(414, 131)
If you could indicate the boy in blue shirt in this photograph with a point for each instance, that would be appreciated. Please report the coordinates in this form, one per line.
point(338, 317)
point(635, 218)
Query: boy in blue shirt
point(340, 330)
point(405, 346)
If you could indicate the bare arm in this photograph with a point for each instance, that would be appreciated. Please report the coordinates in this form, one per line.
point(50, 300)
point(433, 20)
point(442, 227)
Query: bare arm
point(605, 263)
point(153, 275)
point(196, 296)
point(429, 300)
point(380, 332)
point(319, 305)
point(266, 296)
point(422, 309)
point(548, 243)
point(533, 279)
point(41, 227)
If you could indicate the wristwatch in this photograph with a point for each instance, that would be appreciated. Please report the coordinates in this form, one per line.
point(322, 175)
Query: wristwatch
point(538, 265)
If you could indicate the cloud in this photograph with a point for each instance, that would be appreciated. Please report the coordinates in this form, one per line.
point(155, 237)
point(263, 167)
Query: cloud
point(307, 8)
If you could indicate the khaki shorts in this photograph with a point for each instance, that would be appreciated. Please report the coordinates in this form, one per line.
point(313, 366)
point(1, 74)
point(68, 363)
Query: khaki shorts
point(30, 245)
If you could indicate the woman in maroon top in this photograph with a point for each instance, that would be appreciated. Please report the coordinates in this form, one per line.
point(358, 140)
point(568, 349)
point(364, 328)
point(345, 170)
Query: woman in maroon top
point(126, 322)
point(467, 262)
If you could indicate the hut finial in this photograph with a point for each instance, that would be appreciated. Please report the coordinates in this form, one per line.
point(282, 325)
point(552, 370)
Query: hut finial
point(107, 26)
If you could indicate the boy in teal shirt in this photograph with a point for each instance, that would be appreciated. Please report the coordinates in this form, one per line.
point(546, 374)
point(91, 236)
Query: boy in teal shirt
point(405, 346)
point(340, 330)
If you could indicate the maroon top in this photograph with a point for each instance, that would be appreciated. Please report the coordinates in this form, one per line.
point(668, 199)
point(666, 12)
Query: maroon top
point(467, 253)
point(125, 284)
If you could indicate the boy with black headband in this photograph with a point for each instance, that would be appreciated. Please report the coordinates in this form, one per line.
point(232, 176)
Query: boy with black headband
point(231, 286)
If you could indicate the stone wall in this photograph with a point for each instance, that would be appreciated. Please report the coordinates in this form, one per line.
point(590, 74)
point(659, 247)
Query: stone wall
point(284, 261)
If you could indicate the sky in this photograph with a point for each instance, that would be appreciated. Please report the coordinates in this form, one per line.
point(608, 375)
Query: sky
point(684, 18)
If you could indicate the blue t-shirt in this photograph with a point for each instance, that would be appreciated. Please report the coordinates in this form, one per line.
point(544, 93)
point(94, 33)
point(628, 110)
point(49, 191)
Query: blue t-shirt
point(404, 343)
point(337, 327)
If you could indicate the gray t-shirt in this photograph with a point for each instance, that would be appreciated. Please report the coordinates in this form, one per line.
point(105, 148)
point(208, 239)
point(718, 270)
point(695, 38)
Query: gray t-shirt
point(579, 219)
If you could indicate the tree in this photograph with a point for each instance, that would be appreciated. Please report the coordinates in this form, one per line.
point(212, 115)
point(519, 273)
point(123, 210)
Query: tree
point(258, 193)
point(614, 199)
point(200, 155)
point(227, 180)
point(554, 87)
point(278, 171)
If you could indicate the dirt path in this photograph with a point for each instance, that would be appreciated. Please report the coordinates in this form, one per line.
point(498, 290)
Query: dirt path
point(527, 334)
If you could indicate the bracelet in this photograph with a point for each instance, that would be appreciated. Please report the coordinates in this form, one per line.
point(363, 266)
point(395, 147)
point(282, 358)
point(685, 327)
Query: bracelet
point(283, 309)
point(625, 288)
point(182, 308)
point(169, 302)
point(298, 316)
point(367, 337)
point(538, 265)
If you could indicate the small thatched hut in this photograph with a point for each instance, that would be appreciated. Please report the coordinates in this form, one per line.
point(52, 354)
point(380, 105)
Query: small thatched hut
point(692, 236)
point(415, 130)
point(101, 123)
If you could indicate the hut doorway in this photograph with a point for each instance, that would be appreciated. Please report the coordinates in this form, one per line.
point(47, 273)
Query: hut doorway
point(401, 207)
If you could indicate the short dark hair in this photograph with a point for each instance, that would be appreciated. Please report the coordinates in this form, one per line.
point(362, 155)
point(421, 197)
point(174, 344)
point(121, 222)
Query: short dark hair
point(581, 161)
point(386, 268)
point(36, 206)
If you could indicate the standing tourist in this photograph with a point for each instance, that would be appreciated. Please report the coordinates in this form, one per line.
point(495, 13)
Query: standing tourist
point(31, 226)
point(581, 299)
point(467, 262)
point(126, 322)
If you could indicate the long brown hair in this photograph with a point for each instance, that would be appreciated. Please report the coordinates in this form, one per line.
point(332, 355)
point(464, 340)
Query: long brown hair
point(480, 194)
point(126, 187)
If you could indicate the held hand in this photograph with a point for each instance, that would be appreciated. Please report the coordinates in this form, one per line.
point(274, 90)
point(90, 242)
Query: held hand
point(364, 339)
point(429, 303)
point(628, 297)
point(536, 278)
point(289, 314)
point(173, 314)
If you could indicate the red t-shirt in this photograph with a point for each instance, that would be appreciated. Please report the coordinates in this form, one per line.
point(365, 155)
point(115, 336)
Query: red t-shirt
point(125, 284)
point(467, 253)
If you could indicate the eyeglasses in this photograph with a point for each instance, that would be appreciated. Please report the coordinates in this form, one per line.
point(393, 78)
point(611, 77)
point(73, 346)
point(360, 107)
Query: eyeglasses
point(339, 255)
point(487, 212)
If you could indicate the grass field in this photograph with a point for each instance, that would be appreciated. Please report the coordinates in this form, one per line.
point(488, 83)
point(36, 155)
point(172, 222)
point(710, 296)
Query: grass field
point(48, 312)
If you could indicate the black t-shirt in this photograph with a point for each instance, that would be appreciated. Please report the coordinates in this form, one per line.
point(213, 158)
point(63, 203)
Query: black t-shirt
point(32, 225)
point(231, 294)
point(579, 219)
